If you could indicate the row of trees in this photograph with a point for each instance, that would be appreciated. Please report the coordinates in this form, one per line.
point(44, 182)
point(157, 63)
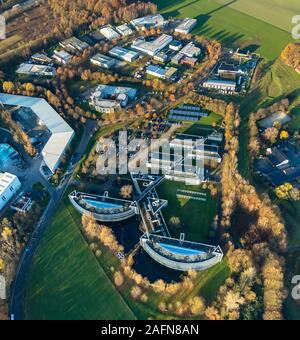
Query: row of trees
point(261, 241)
point(73, 14)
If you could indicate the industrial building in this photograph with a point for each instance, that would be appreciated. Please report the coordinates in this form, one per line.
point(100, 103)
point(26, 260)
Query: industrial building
point(36, 70)
point(109, 33)
point(162, 57)
point(124, 30)
point(41, 58)
point(152, 47)
point(167, 73)
point(150, 21)
point(186, 26)
point(223, 85)
point(189, 61)
point(124, 54)
point(175, 45)
point(177, 58)
point(74, 44)
point(9, 186)
point(62, 57)
point(191, 50)
point(229, 69)
point(61, 133)
point(108, 99)
point(103, 61)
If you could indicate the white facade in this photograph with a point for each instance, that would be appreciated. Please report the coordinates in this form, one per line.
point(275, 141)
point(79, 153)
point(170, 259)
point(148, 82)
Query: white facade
point(190, 50)
point(186, 26)
point(103, 61)
point(220, 85)
point(124, 54)
point(9, 186)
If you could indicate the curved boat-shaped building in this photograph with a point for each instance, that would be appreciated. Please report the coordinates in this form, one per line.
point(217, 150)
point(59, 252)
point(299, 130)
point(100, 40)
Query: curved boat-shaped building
point(181, 255)
point(103, 208)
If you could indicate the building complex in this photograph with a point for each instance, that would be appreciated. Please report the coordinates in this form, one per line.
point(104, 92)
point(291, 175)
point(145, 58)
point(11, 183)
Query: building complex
point(108, 99)
point(154, 46)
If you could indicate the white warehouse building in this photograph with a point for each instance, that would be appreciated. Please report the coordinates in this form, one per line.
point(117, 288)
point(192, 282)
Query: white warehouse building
point(124, 54)
point(109, 33)
point(186, 26)
point(152, 47)
point(155, 20)
point(61, 133)
point(9, 186)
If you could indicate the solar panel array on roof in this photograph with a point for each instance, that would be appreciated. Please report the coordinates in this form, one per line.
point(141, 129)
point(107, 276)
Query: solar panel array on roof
point(190, 108)
point(185, 118)
point(189, 113)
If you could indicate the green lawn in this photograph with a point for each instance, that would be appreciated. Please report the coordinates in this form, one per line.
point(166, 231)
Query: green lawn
point(66, 281)
point(275, 12)
point(196, 216)
point(232, 27)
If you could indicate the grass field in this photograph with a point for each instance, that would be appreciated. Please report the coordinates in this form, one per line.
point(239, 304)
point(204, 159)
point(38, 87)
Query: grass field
point(196, 217)
point(278, 13)
point(233, 27)
point(66, 281)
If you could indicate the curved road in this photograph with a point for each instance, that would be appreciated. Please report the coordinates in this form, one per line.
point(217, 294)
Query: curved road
point(16, 303)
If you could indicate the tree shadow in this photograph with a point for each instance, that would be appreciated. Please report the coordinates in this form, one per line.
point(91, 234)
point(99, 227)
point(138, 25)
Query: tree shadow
point(221, 7)
point(252, 48)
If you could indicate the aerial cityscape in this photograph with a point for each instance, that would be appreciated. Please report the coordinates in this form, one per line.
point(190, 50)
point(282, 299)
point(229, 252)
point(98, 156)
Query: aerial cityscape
point(150, 161)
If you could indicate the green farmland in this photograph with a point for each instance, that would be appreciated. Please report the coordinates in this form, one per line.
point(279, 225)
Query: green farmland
point(66, 282)
point(235, 26)
point(278, 13)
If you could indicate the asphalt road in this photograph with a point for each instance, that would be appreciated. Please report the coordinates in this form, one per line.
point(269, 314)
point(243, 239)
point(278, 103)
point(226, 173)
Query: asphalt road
point(16, 303)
